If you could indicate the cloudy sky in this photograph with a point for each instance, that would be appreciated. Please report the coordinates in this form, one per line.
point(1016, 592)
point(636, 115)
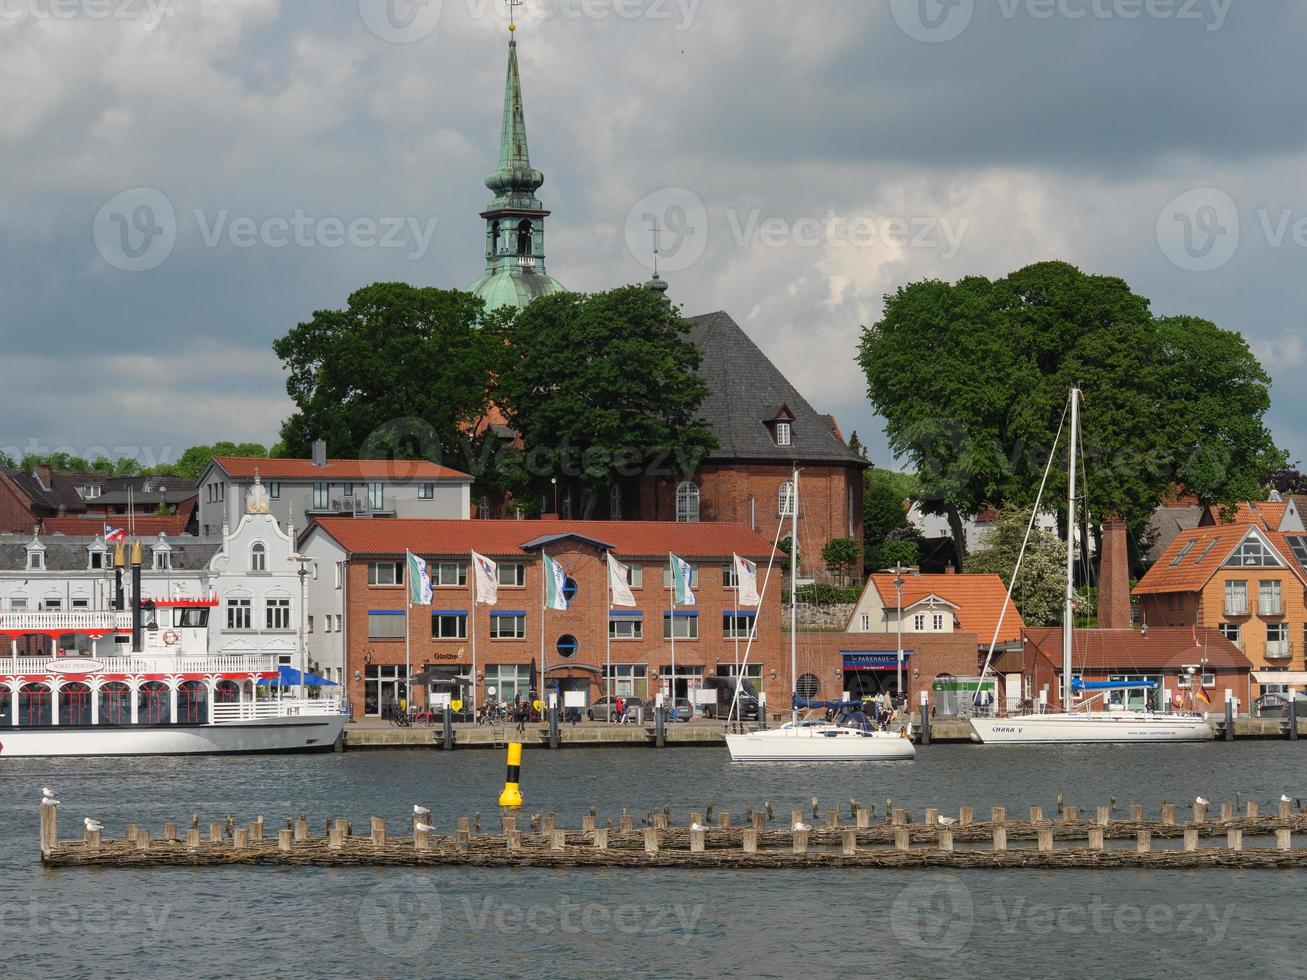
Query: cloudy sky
point(185, 181)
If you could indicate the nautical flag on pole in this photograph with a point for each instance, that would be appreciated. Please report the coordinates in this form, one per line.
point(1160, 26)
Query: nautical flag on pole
point(555, 579)
point(682, 576)
point(419, 581)
point(619, 582)
point(487, 579)
point(746, 580)
point(113, 535)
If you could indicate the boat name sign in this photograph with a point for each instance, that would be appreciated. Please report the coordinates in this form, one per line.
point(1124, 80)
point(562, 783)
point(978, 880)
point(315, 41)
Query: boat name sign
point(74, 666)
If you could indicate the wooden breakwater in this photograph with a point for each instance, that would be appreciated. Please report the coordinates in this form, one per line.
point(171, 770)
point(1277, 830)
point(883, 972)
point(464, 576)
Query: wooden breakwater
point(1066, 841)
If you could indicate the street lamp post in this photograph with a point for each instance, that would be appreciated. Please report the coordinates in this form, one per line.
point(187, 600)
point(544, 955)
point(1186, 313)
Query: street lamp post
point(898, 590)
point(303, 562)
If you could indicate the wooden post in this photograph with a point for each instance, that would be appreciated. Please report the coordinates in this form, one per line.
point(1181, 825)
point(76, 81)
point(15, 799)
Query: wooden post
point(945, 839)
point(758, 822)
point(966, 816)
point(849, 844)
point(660, 820)
point(601, 838)
point(1285, 811)
point(800, 842)
point(557, 840)
point(1068, 814)
point(1104, 816)
point(49, 828)
point(932, 817)
point(1168, 814)
point(998, 814)
point(170, 831)
point(749, 841)
point(902, 839)
point(1095, 838)
point(193, 837)
point(724, 820)
point(1045, 838)
point(1283, 839)
point(1234, 840)
point(462, 840)
point(1200, 813)
point(862, 819)
point(240, 837)
point(513, 839)
point(626, 824)
point(378, 832)
point(651, 840)
point(285, 839)
point(897, 818)
point(93, 840)
point(510, 823)
point(832, 819)
point(696, 841)
point(1036, 814)
point(796, 818)
point(465, 825)
point(421, 840)
point(695, 817)
point(550, 821)
point(1227, 812)
point(1000, 838)
point(1136, 813)
point(1254, 810)
point(1143, 842)
point(336, 835)
point(587, 823)
point(256, 831)
point(301, 831)
point(1191, 838)
point(215, 833)
point(129, 833)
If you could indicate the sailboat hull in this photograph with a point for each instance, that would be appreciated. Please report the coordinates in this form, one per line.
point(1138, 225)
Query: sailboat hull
point(1088, 727)
point(821, 743)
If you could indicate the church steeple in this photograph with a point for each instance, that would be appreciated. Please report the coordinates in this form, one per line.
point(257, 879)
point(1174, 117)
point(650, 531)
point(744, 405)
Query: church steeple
point(515, 219)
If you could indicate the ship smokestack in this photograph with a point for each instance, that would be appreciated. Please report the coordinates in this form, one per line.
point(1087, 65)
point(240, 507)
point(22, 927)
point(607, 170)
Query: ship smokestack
point(119, 560)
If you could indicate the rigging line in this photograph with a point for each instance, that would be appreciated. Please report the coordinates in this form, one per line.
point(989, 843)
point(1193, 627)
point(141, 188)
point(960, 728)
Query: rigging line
point(1016, 572)
point(753, 631)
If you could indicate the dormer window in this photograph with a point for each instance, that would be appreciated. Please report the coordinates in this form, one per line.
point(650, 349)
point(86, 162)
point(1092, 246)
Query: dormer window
point(162, 561)
point(783, 433)
point(35, 560)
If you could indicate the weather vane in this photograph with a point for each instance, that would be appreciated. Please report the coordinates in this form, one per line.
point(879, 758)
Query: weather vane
point(512, 12)
point(654, 229)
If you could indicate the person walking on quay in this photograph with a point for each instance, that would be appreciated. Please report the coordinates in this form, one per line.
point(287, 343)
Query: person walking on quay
point(519, 715)
point(620, 707)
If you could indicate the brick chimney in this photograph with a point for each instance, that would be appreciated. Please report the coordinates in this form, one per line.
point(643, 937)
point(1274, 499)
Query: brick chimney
point(43, 475)
point(1114, 577)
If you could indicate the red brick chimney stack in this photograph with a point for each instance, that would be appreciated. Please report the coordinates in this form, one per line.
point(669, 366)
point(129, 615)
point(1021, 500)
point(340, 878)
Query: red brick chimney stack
point(1114, 577)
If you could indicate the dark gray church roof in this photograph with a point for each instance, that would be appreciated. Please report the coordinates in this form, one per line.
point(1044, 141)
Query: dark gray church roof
point(64, 554)
point(746, 391)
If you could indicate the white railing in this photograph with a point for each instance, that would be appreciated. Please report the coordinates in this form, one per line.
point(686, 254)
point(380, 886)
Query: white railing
point(230, 664)
point(1236, 605)
point(1270, 607)
point(74, 622)
point(274, 708)
point(1278, 650)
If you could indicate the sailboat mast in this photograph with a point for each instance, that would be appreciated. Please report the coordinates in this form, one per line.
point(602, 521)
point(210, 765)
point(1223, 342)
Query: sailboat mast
point(794, 593)
point(1068, 614)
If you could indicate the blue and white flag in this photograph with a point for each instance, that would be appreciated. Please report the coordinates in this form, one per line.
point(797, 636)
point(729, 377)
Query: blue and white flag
point(555, 581)
point(682, 576)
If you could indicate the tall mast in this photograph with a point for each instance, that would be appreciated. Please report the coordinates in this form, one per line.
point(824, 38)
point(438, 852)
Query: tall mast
point(1068, 613)
point(794, 591)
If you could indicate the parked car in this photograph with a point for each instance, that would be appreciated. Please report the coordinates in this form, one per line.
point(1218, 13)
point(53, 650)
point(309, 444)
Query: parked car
point(746, 709)
point(605, 709)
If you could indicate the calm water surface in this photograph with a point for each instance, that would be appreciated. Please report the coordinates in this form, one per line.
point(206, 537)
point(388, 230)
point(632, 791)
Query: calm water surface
point(401, 923)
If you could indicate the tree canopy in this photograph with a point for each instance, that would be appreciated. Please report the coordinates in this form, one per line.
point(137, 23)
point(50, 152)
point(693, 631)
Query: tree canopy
point(401, 372)
point(1168, 401)
point(884, 511)
point(604, 386)
point(1041, 588)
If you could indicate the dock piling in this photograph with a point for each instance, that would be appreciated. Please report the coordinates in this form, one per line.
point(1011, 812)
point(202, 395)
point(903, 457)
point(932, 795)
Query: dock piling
point(1191, 838)
point(215, 832)
point(240, 838)
point(1136, 813)
point(1283, 839)
point(1168, 814)
point(800, 845)
point(902, 839)
point(93, 839)
point(1234, 840)
point(285, 839)
point(696, 841)
point(998, 814)
point(421, 840)
point(49, 828)
point(1104, 816)
point(749, 841)
point(849, 843)
point(193, 838)
point(1000, 838)
point(966, 816)
point(1143, 842)
point(1036, 814)
point(1045, 842)
point(601, 839)
point(170, 831)
point(301, 831)
point(378, 832)
point(1096, 838)
point(944, 839)
point(651, 841)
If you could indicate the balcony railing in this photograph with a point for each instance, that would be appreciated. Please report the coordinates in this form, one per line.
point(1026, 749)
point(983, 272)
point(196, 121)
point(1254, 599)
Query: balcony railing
point(359, 504)
point(1236, 606)
point(275, 708)
point(1270, 607)
point(71, 621)
point(229, 664)
point(1278, 650)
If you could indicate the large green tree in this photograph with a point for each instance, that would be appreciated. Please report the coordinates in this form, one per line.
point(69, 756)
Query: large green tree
point(605, 386)
point(1168, 401)
point(1041, 588)
point(194, 460)
point(401, 372)
point(885, 497)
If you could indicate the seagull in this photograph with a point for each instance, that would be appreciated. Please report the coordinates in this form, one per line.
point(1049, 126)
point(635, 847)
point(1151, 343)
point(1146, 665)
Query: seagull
point(1200, 801)
point(420, 811)
point(1284, 798)
point(49, 801)
point(698, 826)
point(93, 824)
point(947, 821)
point(425, 827)
point(47, 793)
point(800, 825)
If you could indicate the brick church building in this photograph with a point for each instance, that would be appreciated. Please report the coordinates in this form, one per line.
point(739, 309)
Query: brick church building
point(764, 427)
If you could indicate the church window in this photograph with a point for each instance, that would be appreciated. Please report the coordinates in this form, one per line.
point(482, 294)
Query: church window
point(782, 433)
point(687, 503)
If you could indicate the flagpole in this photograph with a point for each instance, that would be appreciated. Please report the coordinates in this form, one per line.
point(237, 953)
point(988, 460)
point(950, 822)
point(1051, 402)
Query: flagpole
point(472, 584)
point(608, 634)
point(735, 621)
point(408, 635)
point(671, 584)
point(544, 605)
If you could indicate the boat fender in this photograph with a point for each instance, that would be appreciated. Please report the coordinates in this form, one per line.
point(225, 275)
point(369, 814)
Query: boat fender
point(170, 637)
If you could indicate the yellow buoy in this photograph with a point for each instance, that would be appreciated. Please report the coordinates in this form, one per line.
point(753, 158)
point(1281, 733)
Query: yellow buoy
point(512, 794)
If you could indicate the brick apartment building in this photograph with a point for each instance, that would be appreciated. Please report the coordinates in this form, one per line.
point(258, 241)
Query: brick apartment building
point(359, 599)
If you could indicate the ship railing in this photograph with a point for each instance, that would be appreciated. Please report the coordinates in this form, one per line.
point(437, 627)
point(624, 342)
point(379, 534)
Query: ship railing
point(276, 708)
point(73, 621)
point(224, 664)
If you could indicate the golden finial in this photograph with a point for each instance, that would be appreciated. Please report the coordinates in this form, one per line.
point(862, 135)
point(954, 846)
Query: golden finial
point(119, 556)
point(512, 13)
point(136, 552)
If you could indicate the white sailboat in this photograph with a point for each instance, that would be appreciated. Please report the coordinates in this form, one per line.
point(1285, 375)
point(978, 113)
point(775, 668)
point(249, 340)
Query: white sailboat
point(847, 737)
point(1070, 726)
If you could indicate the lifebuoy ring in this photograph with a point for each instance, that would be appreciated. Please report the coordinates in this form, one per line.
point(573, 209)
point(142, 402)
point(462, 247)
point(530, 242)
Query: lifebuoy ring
point(170, 637)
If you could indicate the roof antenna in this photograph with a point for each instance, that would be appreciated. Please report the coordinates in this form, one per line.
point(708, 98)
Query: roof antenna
point(512, 13)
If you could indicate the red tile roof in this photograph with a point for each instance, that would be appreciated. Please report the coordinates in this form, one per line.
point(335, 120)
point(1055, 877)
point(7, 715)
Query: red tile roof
point(636, 539)
point(336, 469)
point(1208, 549)
point(88, 527)
point(1158, 649)
point(979, 600)
point(1267, 514)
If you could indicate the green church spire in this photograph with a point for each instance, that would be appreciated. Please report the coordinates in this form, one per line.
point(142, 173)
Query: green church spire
point(515, 219)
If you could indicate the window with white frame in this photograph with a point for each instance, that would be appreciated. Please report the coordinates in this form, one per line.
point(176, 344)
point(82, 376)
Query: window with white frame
point(426, 491)
point(162, 559)
point(1270, 600)
point(384, 624)
point(1254, 553)
point(449, 574)
point(36, 560)
point(239, 614)
point(376, 496)
point(681, 627)
point(783, 435)
point(384, 573)
point(449, 625)
point(919, 622)
point(1236, 598)
point(635, 576)
point(511, 574)
point(508, 626)
point(258, 557)
point(937, 622)
point(626, 628)
point(278, 614)
point(785, 499)
point(1232, 632)
point(274, 490)
point(687, 503)
point(865, 621)
point(736, 625)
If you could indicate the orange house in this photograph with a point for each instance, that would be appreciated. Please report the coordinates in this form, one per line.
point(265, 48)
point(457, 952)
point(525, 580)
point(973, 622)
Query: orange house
point(1247, 579)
